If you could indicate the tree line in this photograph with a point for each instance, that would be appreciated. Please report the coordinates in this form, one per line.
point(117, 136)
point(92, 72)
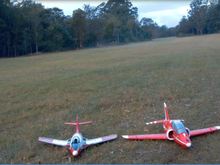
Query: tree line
point(26, 27)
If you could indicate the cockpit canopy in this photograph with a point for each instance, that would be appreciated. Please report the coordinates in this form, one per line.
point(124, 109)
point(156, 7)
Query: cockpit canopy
point(178, 126)
point(75, 143)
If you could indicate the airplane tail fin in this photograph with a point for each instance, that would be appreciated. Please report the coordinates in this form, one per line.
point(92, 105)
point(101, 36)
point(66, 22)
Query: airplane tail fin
point(166, 112)
point(77, 123)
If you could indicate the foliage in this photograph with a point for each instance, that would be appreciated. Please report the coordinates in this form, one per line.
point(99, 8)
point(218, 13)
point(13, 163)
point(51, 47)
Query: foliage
point(28, 28)
point(203, 18)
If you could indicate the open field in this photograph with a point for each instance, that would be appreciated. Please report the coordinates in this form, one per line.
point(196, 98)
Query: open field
point(120, 88)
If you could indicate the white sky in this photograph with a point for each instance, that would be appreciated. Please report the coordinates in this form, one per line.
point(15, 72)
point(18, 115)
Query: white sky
point(166, 12)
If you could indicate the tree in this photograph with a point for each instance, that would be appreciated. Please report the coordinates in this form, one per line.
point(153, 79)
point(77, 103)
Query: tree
point(213, 19)
point(6, 26)
point(94, 26)
point(121, 18)
point(31, 13)
point(197, 15)
point(184, 27)
point(79, 26)
point(53, 30)
point(149, 28)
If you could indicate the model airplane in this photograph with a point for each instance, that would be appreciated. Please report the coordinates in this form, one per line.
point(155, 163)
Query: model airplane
point(174, 130)
point(77, 142)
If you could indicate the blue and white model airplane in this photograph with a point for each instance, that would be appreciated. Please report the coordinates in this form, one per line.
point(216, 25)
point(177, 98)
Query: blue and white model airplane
point(77, 142)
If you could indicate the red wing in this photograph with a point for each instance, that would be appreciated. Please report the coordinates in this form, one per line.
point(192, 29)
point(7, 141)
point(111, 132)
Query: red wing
point(204, 131)
point(146, 136)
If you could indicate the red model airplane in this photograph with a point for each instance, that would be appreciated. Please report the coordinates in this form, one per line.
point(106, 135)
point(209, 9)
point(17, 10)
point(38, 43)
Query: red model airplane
point(174, 130)
point(77, 142)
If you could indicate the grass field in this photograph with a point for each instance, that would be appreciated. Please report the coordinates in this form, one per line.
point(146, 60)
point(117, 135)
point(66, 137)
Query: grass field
point(120, 88)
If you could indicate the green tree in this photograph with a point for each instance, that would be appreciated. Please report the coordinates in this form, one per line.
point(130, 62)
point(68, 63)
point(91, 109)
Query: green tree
point(149, 28)
point(79, 26)
point(31, 12)
point(213, 19)
point(94, 26)
point(53, 30)
point(184, 26)
point(197, 15)
point(6, 27)
point(121, 19)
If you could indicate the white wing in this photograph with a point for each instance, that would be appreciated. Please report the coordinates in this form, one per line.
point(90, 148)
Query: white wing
point(62, 143)
point(100, 139)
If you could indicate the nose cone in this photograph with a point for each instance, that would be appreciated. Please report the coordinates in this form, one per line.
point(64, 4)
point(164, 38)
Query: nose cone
point(75, 153)
point(183, 140)
point(188, 145)
point(188, 142)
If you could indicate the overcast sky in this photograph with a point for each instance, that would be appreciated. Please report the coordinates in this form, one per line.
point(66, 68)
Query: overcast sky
point(166, 12)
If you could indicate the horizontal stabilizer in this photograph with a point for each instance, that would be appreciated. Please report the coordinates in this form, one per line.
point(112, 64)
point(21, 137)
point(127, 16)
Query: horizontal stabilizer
point(80, 123)
point(155, 122)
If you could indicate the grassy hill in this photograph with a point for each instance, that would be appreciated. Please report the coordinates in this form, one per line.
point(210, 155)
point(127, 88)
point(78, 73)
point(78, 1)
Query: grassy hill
point(120, 88)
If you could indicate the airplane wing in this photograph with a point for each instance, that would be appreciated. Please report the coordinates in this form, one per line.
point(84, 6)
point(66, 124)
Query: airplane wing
point(203, 131)
point(100, 139)
point(146, 136)
point(62, 143)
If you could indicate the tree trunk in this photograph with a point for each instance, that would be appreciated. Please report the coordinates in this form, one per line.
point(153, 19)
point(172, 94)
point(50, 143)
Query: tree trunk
point(36, 47)
point(15, 51)
point(25, 46)
point(36, 43)
point(8, 44)
point(80, 42)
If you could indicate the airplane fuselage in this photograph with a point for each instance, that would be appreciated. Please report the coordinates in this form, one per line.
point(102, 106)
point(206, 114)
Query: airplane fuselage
point(176, 131)
point(76, 144)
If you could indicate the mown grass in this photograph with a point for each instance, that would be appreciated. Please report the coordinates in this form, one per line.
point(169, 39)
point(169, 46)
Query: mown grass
point(120, 88)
